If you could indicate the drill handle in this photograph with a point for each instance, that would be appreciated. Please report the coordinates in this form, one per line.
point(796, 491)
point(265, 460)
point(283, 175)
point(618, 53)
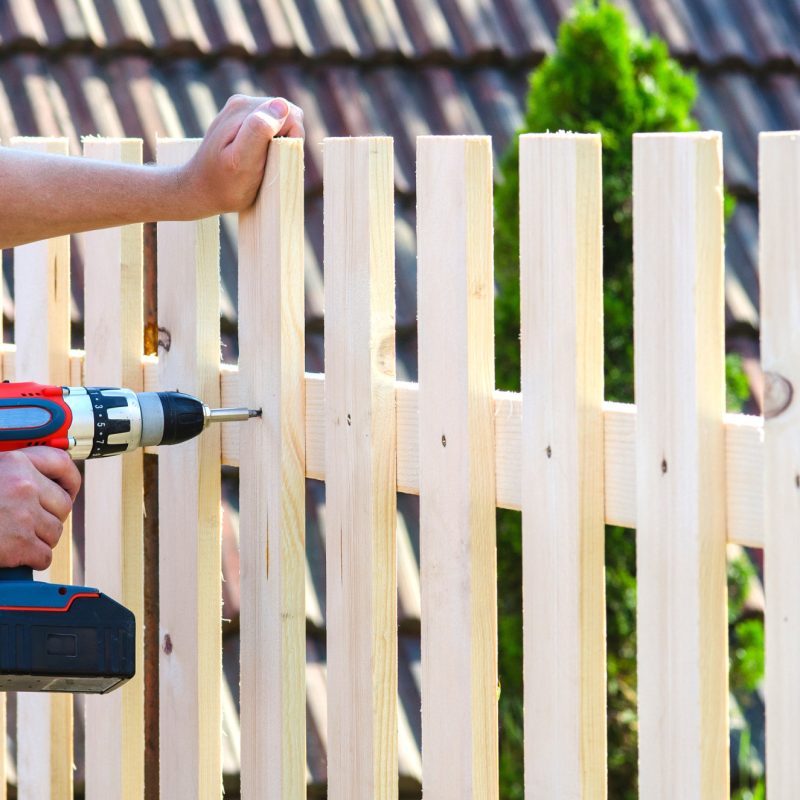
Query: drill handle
point(33, 414)
point(16, 574)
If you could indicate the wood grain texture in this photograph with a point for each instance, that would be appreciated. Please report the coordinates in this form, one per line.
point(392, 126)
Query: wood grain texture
point(360, 479)
point(456, 470)
point(190, 663)
point(743, 447)
point(42, 335)
point(779, 196)
point(561, 314)
point(113, 331)
point(680, 467)
point(272, 483)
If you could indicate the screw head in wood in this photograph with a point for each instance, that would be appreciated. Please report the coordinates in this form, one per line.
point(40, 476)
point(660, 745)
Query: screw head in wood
point(778, 393)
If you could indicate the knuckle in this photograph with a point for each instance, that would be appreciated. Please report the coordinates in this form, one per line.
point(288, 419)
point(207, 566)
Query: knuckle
point(17, 463)
point(14, 457)
point(45, 558)
point(236, 102)
point(64, 507)
point(60, 458)
point(24, 489)
point(257, 123)
point(54, 531)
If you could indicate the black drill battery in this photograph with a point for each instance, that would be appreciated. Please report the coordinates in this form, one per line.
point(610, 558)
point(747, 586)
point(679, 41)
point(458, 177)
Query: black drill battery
point(59, 638)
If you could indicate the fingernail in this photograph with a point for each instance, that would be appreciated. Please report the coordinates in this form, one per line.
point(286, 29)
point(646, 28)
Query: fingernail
point(278, 108)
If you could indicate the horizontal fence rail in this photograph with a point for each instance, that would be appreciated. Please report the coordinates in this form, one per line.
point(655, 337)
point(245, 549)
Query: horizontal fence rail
point(687, 476)
point(744, 448)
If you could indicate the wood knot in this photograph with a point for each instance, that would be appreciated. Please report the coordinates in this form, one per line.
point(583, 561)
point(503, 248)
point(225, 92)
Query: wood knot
point(778, 393)
point(549, 451)
point(167, 646)
point(444, 441)
point(664, 466)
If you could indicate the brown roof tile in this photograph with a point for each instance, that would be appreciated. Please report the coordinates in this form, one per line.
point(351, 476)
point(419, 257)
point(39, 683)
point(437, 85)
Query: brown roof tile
point(20, 24)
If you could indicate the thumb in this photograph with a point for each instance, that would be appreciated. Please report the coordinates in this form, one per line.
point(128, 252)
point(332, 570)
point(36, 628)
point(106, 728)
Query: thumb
point(260, 126)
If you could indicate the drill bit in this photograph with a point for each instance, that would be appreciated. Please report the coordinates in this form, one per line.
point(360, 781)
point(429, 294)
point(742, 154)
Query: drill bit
point(231, 414)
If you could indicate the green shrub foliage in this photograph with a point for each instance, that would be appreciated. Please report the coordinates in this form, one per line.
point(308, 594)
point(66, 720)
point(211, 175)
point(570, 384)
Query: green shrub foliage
point(602, 78)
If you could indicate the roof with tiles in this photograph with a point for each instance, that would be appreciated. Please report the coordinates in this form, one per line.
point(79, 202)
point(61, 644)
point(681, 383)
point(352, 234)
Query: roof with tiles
point(402, 68)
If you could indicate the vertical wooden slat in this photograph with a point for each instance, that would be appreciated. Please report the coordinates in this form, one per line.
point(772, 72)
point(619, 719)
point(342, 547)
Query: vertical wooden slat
point(114, 496)
point(456, 455)
point(42, 336)
point(360, 469)
point(779, 270)
point(190, 595)
point(561, 312)
point(272, 482)
point(680, 466)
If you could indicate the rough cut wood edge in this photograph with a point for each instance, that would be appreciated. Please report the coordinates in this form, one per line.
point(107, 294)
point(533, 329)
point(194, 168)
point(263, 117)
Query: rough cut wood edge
point(360, 499)
point(113, 487)
point(456, 479)
point(42, 333)
point(682, 627)
point(272, 483)
point(563, 565)
point(744, 446)
point(190, 666)
point(779, 196)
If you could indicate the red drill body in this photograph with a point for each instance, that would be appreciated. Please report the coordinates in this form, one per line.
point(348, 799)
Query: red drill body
point(32, 414)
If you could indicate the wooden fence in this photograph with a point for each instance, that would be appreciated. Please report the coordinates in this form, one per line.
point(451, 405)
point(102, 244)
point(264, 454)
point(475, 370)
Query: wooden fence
point(676, 467)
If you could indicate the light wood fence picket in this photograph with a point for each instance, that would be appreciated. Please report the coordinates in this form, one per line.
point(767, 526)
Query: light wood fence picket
point(686, 475)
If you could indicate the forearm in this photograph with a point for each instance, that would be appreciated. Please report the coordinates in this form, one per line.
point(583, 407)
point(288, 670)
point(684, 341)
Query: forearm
point(43, 196)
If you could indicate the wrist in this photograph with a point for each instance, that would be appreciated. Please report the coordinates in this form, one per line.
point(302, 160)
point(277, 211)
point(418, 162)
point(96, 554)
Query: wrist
point(186, 195)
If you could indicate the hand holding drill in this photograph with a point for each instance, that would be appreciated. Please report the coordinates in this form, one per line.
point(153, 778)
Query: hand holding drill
point(41, 484)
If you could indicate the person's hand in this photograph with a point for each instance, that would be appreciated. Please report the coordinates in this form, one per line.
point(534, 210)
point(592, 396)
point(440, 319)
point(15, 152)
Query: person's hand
point(38, 486)
point(226, 172)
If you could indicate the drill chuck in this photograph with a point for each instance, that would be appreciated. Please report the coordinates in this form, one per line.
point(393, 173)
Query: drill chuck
point(106, 422)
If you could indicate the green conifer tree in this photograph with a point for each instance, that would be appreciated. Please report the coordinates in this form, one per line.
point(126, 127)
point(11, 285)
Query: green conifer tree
point(602, 78)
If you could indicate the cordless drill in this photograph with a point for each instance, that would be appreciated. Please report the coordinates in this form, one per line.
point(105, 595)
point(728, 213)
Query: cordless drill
point(56, 638)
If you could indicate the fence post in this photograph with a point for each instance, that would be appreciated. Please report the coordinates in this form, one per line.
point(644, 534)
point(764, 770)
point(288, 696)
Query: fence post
point(272, 482)
point(561, 314)
point(113, 488)
point(779, 203)
point(42, 335)
point(190, 588)
point(360, 469)
point(457, 470)
point(680, 466)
